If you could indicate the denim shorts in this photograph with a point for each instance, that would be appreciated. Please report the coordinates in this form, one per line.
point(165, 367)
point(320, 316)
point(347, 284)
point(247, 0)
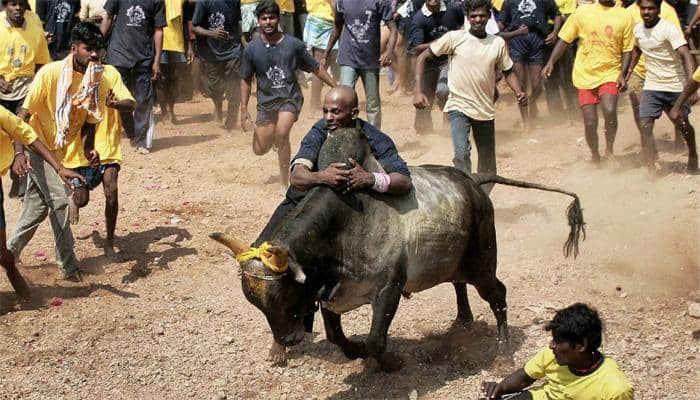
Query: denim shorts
point(654, 102)
point(93, 176)
point(527, 49)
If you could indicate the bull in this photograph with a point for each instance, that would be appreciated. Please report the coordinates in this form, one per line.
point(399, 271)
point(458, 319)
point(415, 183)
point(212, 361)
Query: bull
point(344, 250)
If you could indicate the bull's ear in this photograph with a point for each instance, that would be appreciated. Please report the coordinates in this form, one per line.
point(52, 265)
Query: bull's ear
point(279, 257)
point(236, 245)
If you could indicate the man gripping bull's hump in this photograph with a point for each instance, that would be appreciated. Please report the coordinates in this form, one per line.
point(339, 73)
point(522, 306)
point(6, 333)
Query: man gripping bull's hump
point(340, 110)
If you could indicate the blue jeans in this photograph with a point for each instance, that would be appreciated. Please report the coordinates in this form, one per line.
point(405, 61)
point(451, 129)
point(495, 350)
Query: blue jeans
point(138, 81)
point(484, 138)
point(370, 80)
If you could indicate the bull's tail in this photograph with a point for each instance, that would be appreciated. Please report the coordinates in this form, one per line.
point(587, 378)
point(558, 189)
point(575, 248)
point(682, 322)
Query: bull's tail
point(574, 212)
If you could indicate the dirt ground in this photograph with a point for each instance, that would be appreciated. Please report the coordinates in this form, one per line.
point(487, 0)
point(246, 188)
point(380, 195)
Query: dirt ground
point(172, 322)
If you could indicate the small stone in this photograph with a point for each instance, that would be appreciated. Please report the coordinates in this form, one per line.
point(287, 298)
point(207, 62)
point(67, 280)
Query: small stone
point(413, 395)
point(220, 396)
point(159, 330)
point(623, 295)
point(228, 339)
point(694, 310)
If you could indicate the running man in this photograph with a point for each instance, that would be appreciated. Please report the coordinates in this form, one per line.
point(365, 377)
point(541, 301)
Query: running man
point(523, 23)
point(668, 63)
point(273, 58)
point(572, 364)
point(471, 102)
point(357, 24)
point(605, 44)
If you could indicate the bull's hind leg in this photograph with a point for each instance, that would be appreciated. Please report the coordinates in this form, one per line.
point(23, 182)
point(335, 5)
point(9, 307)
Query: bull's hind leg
point(494, 292)
point(464, 312)
point(335, 335)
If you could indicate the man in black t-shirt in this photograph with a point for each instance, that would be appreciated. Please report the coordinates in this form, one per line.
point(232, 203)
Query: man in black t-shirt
point(136, 41)
point(216, 24)
point(59, 17)
point(524, 25)
point(273, 58)
point(433, 20)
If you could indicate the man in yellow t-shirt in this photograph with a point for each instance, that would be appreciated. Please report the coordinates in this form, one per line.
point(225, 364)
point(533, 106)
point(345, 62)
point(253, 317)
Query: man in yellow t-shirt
point(176, 52)
point(572, 364)
point(114, 98)
point(317, 31)
point(13, 129)
point(605, 43)
point(46, 194)
point(23, 49)
point(286, 16)
point(691, 88)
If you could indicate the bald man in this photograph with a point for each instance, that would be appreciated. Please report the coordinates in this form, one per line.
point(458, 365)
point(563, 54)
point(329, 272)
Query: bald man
point(340, 110)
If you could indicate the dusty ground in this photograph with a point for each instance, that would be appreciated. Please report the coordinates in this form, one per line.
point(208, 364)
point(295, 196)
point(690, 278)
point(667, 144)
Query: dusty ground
point(172, 322)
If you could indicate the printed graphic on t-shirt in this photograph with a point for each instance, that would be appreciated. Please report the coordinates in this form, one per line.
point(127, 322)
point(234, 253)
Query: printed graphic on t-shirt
point(216, 20)
point(62, 12)
point(438, 31)
point(135, 15)
point(527, 8)
point(359, 29)
point(276, 75)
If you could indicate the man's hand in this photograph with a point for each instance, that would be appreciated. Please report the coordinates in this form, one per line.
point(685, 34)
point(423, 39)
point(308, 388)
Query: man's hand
point(49, 37)
point(5, 86)
point(21, 165)
point(245, 117)
point(111, 100)
point(358, 178)
point(523, 30)
point(490, 390)
point(621, 83)
point(155, 70)
point(385, 59)
point(551, 38)
point(190, 54)
point(522, 98)
point(334, 175)
point(94, 158)
point(547, 71)
point(420, 100)
point(68, 175)
point(219, 34)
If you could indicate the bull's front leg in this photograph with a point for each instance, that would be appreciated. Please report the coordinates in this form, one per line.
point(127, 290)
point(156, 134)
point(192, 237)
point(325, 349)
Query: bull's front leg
point(335, 335)
point(383, 311)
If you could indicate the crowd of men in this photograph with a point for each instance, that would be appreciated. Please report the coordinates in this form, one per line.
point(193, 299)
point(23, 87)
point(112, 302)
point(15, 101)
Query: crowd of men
point(75, 74)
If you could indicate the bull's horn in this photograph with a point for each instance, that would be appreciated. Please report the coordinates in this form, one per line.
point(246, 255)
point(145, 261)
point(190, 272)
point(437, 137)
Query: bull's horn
point(236, 245)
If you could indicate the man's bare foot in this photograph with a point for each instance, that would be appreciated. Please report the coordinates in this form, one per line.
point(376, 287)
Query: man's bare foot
point(75, 276)
point(277, 355)
point(113, 254)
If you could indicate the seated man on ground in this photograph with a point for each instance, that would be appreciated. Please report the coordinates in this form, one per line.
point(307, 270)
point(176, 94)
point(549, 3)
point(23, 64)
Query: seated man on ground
point(340, 110)
point(572, 364)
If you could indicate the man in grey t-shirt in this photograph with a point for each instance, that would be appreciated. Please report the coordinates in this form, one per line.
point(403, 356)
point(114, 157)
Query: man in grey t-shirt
point(357, 24)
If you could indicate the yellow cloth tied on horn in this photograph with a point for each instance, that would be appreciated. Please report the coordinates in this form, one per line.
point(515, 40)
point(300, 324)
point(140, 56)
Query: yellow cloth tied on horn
point(263, 254)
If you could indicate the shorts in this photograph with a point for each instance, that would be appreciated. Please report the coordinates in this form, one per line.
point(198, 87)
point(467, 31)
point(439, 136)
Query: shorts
point(2, 209)
point(527, 49)
point(636, 84)
point(587, 97)
point(172, 57)
point(266, 117)
point(317, 31)
point(93, 176)
point(654, 102)
point(249, 21)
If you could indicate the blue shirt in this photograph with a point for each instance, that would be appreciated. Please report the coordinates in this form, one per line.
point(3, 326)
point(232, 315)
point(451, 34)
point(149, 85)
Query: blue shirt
point(381, 145)
point(425, 29)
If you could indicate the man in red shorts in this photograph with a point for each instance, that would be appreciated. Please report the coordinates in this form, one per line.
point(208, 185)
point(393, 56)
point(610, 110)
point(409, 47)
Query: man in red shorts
point(605, 44)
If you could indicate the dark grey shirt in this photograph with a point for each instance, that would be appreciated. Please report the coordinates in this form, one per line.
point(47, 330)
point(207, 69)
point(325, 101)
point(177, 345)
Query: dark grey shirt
point(59, 17)
point(131, 43)
point(274, 66)
point(212, 14)
point(359, 41)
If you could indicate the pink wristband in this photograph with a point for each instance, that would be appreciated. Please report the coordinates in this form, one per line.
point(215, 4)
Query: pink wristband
point(381, 182)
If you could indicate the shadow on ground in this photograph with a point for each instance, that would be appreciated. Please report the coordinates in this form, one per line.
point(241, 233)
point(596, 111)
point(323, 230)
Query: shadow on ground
point(146, 249)
point(430, 362)
point(43, 294)
point(175, 141)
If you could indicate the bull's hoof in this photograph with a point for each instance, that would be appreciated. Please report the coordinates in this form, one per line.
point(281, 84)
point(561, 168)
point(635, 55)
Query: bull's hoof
point(354, 350)
point(389, 362)
point(464, 322)
point(277, 355)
